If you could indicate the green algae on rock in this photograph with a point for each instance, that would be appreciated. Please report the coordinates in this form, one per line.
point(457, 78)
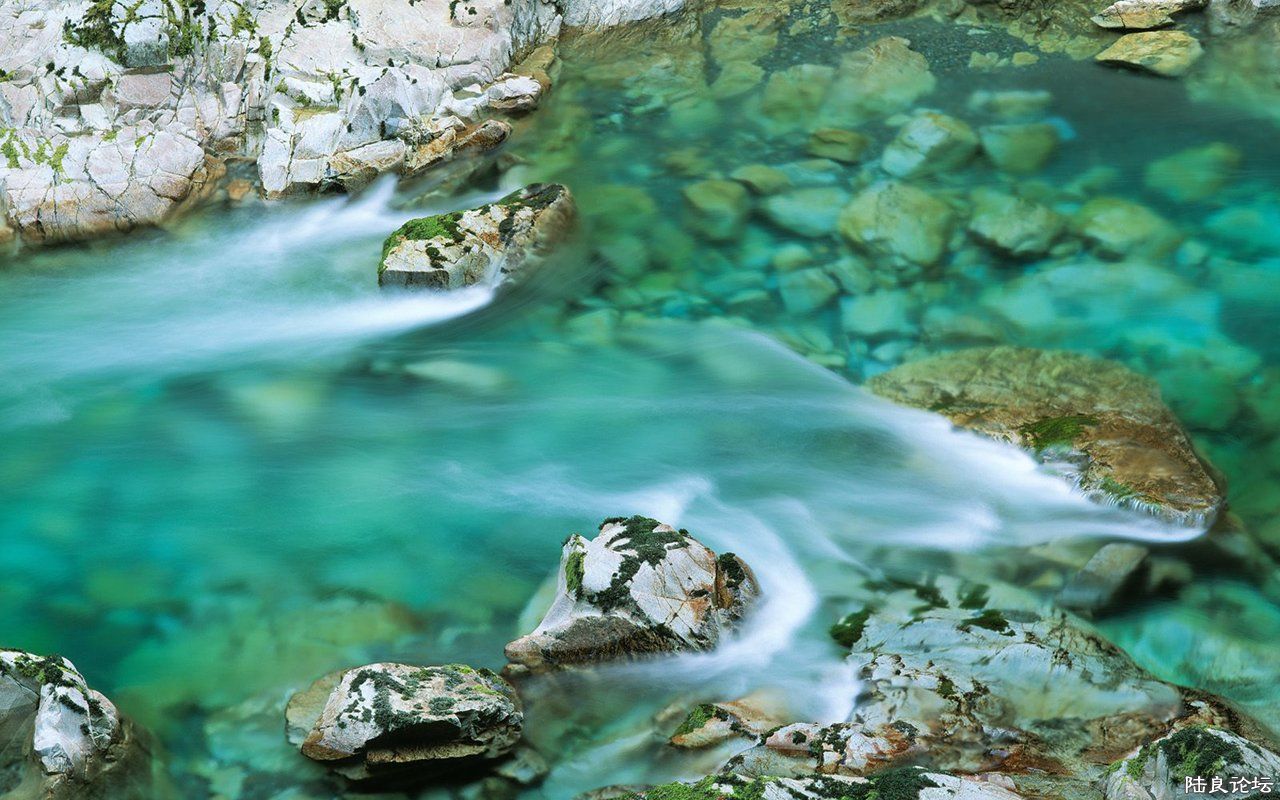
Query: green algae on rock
point(639, 588)
point(1099, 424)
point(492, 244)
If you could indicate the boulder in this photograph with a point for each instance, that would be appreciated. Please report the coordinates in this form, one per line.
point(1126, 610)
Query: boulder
point(928, 144)
point(1019, 148)
point(639, 588)
point(493, 244)
point(883, 78)
point(1095, 422)
point(397, 723)
point(1191, 758)
point(63, 740)
point(1167, 53)
point(1119, 228)
point(898, 221)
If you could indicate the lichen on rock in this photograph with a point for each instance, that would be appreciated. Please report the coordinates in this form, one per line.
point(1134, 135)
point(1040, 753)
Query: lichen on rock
point(639, 588)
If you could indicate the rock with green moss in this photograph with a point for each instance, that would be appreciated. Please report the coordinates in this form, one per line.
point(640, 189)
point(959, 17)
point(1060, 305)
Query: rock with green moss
point(638, 588)
point(1095, 422)
point(63, 740)
point(709, 724)
point(1162, 768)
point(489, 245)
point(394, 723)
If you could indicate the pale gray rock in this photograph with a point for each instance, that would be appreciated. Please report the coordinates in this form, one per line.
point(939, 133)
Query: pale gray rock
point(638, 588)
point(898, 221)
point(1162, 768)
point(387, 721)
point(1014, 225)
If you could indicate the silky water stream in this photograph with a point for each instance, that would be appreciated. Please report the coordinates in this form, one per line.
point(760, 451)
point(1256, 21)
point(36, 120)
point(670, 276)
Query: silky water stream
point(230, 464)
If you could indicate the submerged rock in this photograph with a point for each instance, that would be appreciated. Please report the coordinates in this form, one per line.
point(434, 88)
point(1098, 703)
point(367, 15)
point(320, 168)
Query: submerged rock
point(883, 78)
point(63, 740)
point(1119, 228)
point(396, 722)
point(1020, 148)
point(639, 588)
point(1095, 422)
point(1194, 174)
point(1013, 225)
point(930, 143)
point(898, 221)
point(1167, 53)
point(492, 244)
point(718, 208)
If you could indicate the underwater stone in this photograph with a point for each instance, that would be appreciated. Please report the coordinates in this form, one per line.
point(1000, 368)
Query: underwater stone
point(1103, 576)
point(898, 221)
point(1010, 104)
point(930, 143)
point(804, 290)
point(1167, 53)
point(1102, 426)
point(838, 144)
point(811, 212)
point(718, 208)
point(1118, 228)
point(1194, 174)
point(883, 78)
point(878, 314)
point(492, 244)
point(1019, 149)
point(639, 588)
point(1013, 225)
point(761, 178)
point(63, 740)
point(394, 721)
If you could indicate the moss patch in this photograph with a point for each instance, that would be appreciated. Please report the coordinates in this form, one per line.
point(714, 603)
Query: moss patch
point(848, 629)
point(1056, 431)
point(423, 229)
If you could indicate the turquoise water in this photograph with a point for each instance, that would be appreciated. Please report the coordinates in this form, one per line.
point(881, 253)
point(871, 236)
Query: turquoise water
point(230, 465)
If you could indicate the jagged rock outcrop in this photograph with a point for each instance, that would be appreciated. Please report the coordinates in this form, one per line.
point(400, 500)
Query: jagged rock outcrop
point(492, 244)
point(1095, 422)
point(395, 723)
point(639, 588)
point(115, 114)
point(1207, 760)
point(63, 740)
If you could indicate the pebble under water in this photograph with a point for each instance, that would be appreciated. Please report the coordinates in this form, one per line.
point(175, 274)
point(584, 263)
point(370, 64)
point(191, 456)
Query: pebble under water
point(231, 465)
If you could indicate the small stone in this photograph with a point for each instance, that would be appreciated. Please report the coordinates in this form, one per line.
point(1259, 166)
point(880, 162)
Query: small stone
point(1019, 149)
point(1167, 53)
point(1010, 104)
point(762, 179)
point(806, 289)
point(1013, 225)
point(718, 208)
point(838, 144)
point(930, 143)
point(899, 221)
point(1195, 174)
point(1120, 228)
point(811, 212)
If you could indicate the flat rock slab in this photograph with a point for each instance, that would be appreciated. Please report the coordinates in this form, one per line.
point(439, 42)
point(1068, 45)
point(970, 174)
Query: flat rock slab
point(1098, 423)
point(1167, 53)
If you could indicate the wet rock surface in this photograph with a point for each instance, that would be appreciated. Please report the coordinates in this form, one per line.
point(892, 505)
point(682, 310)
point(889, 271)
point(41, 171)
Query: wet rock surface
point(639, 588)
point(1103, 426)
point(491, 245)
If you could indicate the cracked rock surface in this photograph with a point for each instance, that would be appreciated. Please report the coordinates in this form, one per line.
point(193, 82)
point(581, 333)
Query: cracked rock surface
point(639, 588)
point(114, 114)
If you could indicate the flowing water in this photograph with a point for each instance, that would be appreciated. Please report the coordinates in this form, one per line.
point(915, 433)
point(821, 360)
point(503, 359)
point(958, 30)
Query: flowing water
point(230, 464)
